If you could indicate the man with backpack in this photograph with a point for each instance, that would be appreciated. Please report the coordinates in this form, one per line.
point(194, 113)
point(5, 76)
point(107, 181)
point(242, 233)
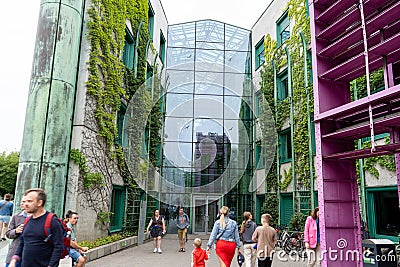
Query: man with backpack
point(183, 223)
point(39, 247)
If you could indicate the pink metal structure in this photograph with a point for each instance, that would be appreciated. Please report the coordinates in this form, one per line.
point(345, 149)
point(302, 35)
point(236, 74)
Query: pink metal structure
point(349, 39)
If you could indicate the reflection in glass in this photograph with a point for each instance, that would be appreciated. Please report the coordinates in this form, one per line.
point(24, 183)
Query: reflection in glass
point(234, 61)
point(210, 31)
point(182, 35)
point(180, 58)
point(208, 106)
point(236, 38)
point(179, 105)
point(208, 129)
point(209, 60)
point(180, 81)
point(237, 84)
point(178, 129)
point(178, 154)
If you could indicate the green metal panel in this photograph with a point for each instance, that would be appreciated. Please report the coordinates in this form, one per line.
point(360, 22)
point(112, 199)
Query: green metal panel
point(48, 122)
point(286, 210)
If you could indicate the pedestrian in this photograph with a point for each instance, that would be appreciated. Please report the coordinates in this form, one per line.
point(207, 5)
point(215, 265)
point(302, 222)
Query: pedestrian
point(182, 223)
point(15, 230)
point(199, 255)
point(265, 236)
point(312, 239)
point(246, 230)
point(226, 235)
point(35, 248)
point(6, 209)
point(76, 252)
point(157, 231)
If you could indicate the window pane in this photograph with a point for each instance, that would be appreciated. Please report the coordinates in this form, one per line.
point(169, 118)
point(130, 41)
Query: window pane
point(179, 105)
point(236, 38)
point(208, 106)
point(237, 84)
point(210, 31)
point(182, 35)
point(207, 60)
point(180, 59)
point(180, 81)
point(237, 61)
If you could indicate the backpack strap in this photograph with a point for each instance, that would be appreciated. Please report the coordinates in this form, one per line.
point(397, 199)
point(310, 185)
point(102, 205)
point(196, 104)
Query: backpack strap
point(47, 226)
point(27, 220)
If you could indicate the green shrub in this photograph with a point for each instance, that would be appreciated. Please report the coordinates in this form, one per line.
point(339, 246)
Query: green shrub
point(297, 221)
point(104, 240)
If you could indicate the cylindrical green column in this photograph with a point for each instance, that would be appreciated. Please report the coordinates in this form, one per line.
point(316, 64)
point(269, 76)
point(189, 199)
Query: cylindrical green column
point(48, 120)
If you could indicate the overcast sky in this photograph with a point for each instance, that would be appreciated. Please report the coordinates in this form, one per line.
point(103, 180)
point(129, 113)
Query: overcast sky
point(18, 24)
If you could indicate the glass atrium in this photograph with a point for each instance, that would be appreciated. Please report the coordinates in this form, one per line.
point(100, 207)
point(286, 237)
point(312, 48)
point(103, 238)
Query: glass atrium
point(208, 131)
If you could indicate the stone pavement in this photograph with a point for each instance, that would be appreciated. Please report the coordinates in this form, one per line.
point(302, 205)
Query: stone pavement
point(143, 256)
point(3, 252)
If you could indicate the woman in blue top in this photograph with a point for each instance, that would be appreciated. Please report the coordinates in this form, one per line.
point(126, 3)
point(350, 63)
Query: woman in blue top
point(6, 208)
point(226, 235)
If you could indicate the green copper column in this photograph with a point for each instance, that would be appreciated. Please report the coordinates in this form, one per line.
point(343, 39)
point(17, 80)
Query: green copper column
point(48, 120)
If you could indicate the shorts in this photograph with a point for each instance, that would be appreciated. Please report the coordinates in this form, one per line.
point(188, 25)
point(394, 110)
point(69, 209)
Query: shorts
point(74, 254)
point(5, 218)
point(182, 233)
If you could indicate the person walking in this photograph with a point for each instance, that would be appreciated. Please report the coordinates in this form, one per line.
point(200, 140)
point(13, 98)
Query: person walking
point(312, 239)
point(265, 236)
point(182, 223)
point(199, 255)
point(6, 209)
point(76, 252)
point(246, 230)
point(35, 249)
point(226, 235)
point(15, 230)
point(157, 231)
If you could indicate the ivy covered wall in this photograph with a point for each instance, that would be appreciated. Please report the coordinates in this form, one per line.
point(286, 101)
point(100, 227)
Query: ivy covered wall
point(96, 157)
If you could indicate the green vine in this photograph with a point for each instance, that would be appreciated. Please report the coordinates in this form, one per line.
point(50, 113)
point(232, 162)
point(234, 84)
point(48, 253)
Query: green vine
point(89, 179)
point(110, 81)
point(297, 15)
point(287, 179)
point(386, 161)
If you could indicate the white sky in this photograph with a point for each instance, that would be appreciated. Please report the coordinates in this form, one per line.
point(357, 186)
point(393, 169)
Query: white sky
point(18, 24)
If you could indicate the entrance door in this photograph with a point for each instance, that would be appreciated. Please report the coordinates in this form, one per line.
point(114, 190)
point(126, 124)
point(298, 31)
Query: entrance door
point(206, 209)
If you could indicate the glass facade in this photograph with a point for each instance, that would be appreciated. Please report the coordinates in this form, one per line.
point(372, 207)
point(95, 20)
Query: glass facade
point(208, 130)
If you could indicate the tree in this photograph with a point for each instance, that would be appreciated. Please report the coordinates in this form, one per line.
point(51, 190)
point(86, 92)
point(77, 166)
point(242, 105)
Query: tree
point(8, 172)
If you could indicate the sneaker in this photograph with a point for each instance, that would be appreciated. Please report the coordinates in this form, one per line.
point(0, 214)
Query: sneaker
point(155, 250)
point(159, 251)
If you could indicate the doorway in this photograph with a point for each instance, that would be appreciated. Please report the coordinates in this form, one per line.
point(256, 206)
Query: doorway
point(205, 211)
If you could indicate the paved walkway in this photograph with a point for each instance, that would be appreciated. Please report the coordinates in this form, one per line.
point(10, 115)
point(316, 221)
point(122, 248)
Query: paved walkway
point(143, 256)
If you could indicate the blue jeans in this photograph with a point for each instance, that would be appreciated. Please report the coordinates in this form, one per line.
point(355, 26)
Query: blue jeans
point(18, 264)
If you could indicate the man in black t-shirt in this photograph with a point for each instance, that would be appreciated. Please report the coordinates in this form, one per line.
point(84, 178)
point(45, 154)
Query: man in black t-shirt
point(35, 248)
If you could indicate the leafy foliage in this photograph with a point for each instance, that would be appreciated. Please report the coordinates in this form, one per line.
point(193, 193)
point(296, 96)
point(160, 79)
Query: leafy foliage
point(270, 206)
point(8, 172)
point(89, 179)
point(105, 240)
point(297, 221)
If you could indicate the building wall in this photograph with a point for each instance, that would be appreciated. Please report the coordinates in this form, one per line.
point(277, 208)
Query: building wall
point(85, 138)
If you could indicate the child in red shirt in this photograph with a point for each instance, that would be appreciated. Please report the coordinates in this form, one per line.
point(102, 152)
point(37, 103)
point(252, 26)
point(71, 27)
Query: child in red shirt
point(199, 255)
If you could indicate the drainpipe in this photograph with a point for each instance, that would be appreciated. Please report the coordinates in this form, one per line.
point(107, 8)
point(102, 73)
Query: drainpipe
point(361, 168)
point(289, 67)
point(136, 50)
point(278, 190)
point(310, 152)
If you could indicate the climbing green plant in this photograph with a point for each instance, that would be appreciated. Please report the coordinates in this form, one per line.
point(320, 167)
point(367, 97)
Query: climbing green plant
point(270, 206)
point(110, 82)
point(89, 179)
point(386, 161)
point(297, 16)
